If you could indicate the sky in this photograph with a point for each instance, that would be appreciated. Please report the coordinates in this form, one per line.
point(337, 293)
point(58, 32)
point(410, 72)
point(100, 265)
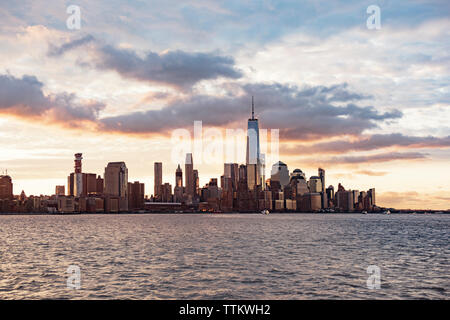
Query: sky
point(371, 106)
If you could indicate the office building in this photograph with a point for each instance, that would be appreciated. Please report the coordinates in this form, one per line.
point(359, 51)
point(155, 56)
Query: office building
point(179, 177)
point(136, 193)
point(189, 177)
point(116, 185)
point(196, 183)
point(158, 180)
point(253, 155)
point(60, 190)
point(315, 184)
point(280, 173)
point(298, 183)
point(78, 176)
point(6, 188)
point(166, 192)
point(323, 193)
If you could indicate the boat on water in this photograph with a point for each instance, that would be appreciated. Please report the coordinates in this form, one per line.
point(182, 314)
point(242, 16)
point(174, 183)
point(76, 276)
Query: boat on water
point(387, 212)
point(364, 212)
point(265, 211)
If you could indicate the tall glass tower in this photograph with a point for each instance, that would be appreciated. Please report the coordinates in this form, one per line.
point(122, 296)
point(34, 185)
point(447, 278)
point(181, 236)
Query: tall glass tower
point(253, 156)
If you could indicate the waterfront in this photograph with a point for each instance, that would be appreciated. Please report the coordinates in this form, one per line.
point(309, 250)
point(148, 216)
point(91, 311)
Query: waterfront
point(217, 256)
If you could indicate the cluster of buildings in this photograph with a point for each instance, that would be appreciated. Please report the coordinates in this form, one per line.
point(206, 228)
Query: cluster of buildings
point(237, 191)
point(86, 192)
point(242, 188)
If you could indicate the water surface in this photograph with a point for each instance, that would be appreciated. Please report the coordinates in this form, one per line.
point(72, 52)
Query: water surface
point(234, 256)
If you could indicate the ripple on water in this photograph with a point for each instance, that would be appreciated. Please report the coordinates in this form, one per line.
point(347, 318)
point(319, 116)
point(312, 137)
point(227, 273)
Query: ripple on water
point(224, 256)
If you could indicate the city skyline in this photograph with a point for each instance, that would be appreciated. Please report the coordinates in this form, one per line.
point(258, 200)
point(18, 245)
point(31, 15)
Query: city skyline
point(162, 175)
point(116, 88)
point(284, 191)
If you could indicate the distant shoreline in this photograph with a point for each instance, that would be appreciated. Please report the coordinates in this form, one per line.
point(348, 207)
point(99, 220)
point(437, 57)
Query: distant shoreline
point(211, 213)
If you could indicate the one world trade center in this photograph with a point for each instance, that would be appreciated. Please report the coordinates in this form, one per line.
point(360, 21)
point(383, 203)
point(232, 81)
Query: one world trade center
point(253, 158)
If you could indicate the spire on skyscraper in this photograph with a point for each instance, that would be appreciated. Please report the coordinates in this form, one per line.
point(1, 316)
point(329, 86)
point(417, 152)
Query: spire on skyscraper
point(253, 110)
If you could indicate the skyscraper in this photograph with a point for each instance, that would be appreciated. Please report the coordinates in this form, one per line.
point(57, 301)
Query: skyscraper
point(280, 173)
point(6, 188)
point(100, 185)
point(166, 192)
point(231, 171)
point(315, 184)
point(158, 179)
point(78, 177)
point(89, 184)
point(179, 177)
point(60, 190)
point(116, 183)
point(253, 155)
point(196, 183)
point(178, 189)
point(330, 195)
point(136, 192)
point(116, 179)
point(322, 191)
point(189, 173)
point(298, 182)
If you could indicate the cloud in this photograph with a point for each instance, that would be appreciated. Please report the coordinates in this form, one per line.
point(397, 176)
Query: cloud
point(23, 97)
point(299, 113)
point(175, 68)
point(382, 157)
point(376, 141)
point(443, 198)
point(372, 173)
point(413, 200)
point(55, 51)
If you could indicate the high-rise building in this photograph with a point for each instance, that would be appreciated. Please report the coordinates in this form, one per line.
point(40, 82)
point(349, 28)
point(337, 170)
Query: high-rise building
point(70, 184)
point(166, 192)
point(371, 194)
point(280, 173)
point(89, 184)
point(298, 183)
point(100, 185)
point(355, 195)
point(315, 184)
point(231, 171)
point(253, 155)
point(178, 190)
point(116, 179)
point(252, 176)
point(6, 188)
point(344, 199)
point(179, 177)
point(158, 179)
point(60, 190)
point(263, 171)
point(323, 194)
point(78, 177)
point(189, 174)
point(178, 194)
point(196, 183)
point(242, 173)
point(116, 185)
point(330, 196)
point(136, 193)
